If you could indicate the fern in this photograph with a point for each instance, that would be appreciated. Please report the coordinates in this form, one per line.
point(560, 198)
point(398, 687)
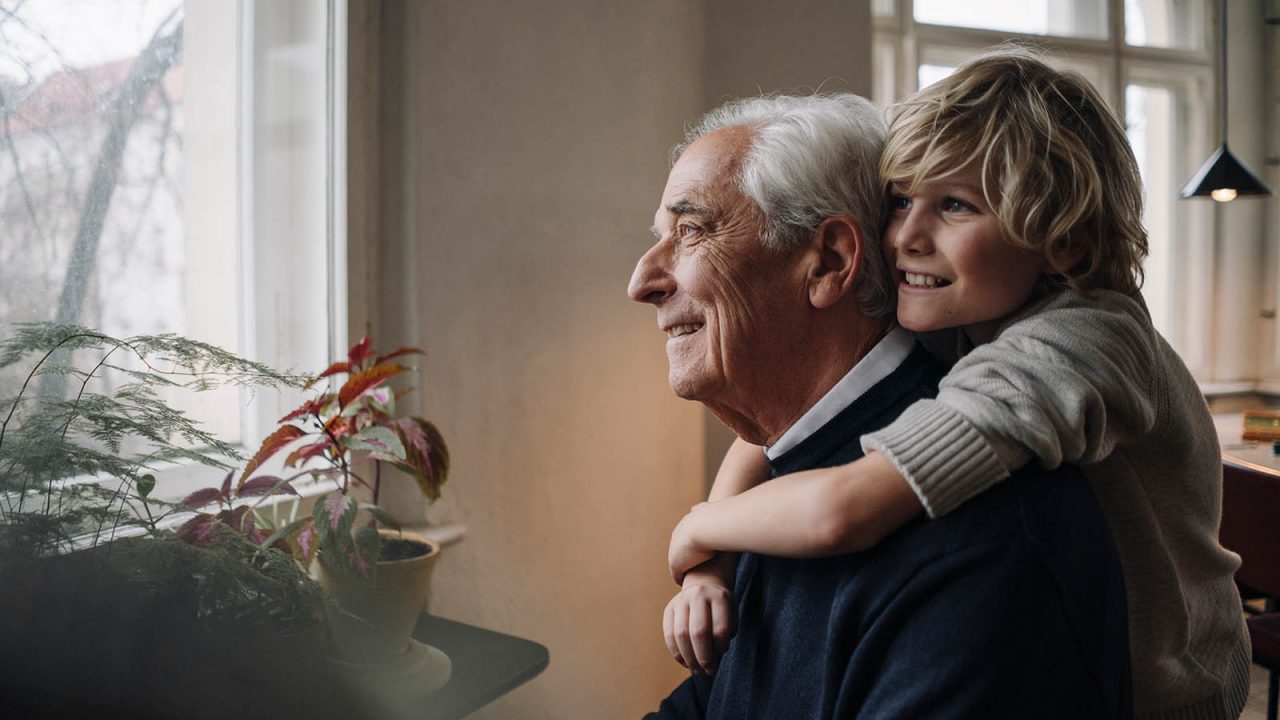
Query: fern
point(66, 421)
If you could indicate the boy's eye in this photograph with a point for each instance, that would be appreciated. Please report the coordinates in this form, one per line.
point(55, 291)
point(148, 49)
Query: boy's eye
point(899, 202)
point(955, 205)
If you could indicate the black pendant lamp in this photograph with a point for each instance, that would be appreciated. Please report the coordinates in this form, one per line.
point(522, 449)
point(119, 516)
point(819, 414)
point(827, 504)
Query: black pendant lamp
point(1223, 177)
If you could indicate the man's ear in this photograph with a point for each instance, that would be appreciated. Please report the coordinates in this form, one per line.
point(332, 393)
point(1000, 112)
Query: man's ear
point(836, 257)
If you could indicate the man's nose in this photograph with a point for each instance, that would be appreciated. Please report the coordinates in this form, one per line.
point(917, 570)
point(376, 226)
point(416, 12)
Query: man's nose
point(652, 281)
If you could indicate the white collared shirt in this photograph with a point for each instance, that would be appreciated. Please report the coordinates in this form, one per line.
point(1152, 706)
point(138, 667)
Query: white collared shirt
point(875, 366)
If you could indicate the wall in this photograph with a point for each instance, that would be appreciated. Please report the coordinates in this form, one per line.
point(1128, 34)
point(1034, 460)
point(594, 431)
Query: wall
point(1269, 173)
point(505, 161)
point(1242, 245)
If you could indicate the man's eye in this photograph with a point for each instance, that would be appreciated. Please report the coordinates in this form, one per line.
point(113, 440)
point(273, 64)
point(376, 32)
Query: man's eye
point(688, 232)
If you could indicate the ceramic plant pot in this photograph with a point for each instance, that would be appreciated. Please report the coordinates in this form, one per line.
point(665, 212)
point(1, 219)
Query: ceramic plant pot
point(377, 617)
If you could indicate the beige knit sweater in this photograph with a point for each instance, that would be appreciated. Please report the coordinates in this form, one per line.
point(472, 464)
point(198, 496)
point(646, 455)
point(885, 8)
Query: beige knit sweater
point(1087, 379)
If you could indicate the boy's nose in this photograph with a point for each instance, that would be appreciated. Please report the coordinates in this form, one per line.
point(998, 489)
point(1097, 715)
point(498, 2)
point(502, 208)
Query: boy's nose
point(912, 235)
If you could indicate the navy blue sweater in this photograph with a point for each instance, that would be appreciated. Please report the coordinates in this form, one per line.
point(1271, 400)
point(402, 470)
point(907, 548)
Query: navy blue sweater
point(1011, 606)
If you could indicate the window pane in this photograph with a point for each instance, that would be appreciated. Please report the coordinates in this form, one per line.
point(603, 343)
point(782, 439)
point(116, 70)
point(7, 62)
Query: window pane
point(1075, 18)
point(883, 8)
point(1151, 125)
point(91, 160)
point(1165, 23)
point(930, 74)
point(884, 70)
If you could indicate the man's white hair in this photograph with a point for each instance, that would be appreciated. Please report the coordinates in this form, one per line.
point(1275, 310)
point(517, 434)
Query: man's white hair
point(813, 157)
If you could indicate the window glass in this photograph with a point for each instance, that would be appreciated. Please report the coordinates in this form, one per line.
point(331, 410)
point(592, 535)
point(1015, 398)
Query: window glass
point(1150, 121)
point(1074, 18)
point(91, 163)
point(1165, 23)
point(930, 74)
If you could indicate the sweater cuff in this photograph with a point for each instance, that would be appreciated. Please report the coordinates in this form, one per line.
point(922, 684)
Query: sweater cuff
point(942, 456)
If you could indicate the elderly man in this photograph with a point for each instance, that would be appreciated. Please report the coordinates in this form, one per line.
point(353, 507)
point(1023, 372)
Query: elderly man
point(769, 283)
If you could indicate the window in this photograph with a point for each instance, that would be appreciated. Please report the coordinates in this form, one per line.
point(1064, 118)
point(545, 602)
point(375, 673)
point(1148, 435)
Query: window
point(1151, 59)
point(176, 166)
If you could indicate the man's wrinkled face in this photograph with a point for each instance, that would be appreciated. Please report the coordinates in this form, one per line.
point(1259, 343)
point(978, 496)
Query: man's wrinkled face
point(726, 303)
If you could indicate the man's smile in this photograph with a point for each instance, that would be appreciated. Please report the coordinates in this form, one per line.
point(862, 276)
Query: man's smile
point(676, 331)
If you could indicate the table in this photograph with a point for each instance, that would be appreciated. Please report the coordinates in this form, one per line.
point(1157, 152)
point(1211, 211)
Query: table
point(1250, 454)
point(486, 665)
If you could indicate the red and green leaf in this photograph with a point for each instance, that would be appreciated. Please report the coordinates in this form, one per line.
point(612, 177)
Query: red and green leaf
point(377, 439)
point(362, 381)
point(360, 352)
point(310, 407)
point(399, 352)
point(284, 435)
point(305, 453)
point(206, 496)
point(382, 516)
point(382, 401)
point(238, 519)
point(334, 369)
point(202, 497)
point(334, 512)
point(426, 454)
point(284, 537)
point(340, 427)
point(363, 553)
point(266, 485)
point(308, 540)
point(198, 530)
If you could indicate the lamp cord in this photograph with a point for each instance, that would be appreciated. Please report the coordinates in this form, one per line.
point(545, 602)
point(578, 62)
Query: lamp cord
point(1222, 42)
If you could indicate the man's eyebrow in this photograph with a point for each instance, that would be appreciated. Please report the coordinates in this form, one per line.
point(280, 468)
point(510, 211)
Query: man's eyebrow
point(685, 207)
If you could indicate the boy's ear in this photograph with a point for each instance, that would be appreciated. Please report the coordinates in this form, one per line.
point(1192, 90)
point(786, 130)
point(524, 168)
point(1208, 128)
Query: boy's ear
point(1061, 260)
point(837, 255)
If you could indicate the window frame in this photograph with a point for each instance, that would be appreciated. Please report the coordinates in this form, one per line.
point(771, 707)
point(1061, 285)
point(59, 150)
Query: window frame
point(259, 412)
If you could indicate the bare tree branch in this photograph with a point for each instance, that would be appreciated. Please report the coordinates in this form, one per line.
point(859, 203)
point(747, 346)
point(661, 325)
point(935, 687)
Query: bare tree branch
point(149, 69)
point(27, 200)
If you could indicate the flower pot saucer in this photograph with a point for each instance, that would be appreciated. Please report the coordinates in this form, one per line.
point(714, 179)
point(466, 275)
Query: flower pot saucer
point(399, 682)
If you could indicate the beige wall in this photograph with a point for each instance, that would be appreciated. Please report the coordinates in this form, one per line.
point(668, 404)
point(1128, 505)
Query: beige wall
point(506, 159)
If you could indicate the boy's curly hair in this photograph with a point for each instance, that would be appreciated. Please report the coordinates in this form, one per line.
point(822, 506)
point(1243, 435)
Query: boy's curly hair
point(1055, 163)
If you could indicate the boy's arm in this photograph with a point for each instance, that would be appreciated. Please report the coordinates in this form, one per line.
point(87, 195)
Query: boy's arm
point(806, 514)
point(1065, 381)
point(744, 467)
point(699, 621)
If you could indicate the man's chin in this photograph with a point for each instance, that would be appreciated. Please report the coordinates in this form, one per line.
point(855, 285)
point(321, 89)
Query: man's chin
point(687, 388)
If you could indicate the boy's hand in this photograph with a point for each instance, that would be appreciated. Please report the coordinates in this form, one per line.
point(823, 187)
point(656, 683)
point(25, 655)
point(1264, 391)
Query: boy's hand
point(684, 554)
point(699, 621)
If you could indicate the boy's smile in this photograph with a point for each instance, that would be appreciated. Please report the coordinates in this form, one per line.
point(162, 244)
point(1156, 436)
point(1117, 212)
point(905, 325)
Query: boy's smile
point(953, 265)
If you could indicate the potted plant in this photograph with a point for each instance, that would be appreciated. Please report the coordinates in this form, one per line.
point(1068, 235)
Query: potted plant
point(92, 622)
point(348, 434)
